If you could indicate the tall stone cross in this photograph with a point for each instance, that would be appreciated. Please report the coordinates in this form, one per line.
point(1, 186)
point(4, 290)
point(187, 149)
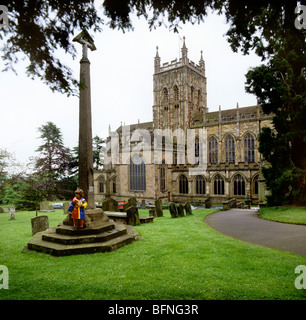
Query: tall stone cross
point(86, 179)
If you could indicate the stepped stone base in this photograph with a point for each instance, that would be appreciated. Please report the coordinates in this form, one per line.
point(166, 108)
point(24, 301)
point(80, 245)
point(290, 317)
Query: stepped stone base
point(99, 235)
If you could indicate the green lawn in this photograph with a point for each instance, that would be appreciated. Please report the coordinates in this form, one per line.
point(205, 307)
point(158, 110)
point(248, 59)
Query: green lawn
point(177, 259)
point(295, 215)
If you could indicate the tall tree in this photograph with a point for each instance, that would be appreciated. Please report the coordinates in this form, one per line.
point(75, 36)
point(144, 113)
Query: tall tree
point(53, 160)
point(98, 151)
point(280, 86)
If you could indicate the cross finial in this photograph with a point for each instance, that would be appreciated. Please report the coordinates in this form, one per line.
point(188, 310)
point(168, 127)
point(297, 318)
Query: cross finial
point(86, 41)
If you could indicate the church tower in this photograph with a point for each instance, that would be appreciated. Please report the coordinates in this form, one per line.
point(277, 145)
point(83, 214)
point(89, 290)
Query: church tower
point(179, 91)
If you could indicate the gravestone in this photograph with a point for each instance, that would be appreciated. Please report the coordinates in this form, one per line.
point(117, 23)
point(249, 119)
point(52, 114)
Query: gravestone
point(110, 204)
point(132, 202)
point(66, 207)
point(39, 223)
point(180, 210)
point(12, 212)
point(159, 208)
point(173, 210)
point(152, 212)
point(125, 207)
point(113, 205)
point(105, 205)
point(188, 208)
point(207, 203)
point(44, 205)
point(132, 216)
point(143, 204)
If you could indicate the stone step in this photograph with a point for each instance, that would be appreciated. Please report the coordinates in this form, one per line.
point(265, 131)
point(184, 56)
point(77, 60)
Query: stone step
point(87, 238)
point(57, 249)
point(69, 230)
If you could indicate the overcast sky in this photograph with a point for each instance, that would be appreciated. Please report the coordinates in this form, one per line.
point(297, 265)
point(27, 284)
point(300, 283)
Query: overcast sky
point(121, 83)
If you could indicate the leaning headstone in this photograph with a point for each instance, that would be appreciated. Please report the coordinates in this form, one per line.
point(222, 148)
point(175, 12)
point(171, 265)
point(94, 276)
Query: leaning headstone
point(173, 210)
point(188, 208)
point(12, 212)
point(159, 208)
point(180, 210)
point(132, 216)
point(66, 207)
point(39, 223)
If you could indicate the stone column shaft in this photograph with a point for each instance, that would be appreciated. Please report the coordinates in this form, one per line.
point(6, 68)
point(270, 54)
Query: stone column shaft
point(86, 181)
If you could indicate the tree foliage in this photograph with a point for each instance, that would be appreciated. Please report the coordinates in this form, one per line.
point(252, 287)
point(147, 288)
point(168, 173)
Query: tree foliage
point(38, 29)
point(21, 194)
point(98, 152)
point(280, 86)
point(52, 164)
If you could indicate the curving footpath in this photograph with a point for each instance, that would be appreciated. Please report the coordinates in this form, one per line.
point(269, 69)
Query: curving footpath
point(247, 226)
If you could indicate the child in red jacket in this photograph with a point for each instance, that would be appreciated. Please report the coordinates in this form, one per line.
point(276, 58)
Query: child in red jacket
point(77, 209)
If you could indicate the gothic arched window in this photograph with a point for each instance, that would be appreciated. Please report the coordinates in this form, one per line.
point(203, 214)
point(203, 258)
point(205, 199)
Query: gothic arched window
point(198, 151)
point(239, 185)
point(137, 174)
point(176, 93)
point(218, 185)
point(192, 94)
point(183, 185)
point(249, 148)
point(162, 176)
point(212, 150)
point(200, 185)
point(191, 97)
point(101, 184)
point(114, 185)
point(165, 99)
point(255, 185)
point(199, 100)
point(229, 149)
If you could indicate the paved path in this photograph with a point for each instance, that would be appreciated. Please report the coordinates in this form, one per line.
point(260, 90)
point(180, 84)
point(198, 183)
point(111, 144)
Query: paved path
point(247, 226)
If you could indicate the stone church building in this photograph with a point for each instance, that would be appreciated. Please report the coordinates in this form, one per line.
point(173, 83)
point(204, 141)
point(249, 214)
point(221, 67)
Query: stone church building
point(186, 152)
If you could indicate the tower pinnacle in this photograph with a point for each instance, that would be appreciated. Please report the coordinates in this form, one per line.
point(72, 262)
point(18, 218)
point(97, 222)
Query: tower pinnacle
point(201, 62)
point(156, 61)
point(184, 52)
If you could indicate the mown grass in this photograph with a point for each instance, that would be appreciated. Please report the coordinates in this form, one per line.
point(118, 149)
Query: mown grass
point(177, 259)
point(287, 214)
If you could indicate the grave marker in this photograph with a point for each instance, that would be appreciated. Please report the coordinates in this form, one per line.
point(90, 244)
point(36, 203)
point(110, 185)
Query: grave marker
point(39, 223)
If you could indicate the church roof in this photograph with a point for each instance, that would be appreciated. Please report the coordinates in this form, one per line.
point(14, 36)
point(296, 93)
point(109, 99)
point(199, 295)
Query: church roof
point(232, 112)
point(140, 125)
point(226, 115)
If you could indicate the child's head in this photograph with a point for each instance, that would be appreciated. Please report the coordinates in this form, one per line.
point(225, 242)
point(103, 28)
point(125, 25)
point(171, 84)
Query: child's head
point(79, 193)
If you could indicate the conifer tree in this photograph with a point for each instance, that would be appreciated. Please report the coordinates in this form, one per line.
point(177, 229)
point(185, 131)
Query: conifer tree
point(53, 160)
